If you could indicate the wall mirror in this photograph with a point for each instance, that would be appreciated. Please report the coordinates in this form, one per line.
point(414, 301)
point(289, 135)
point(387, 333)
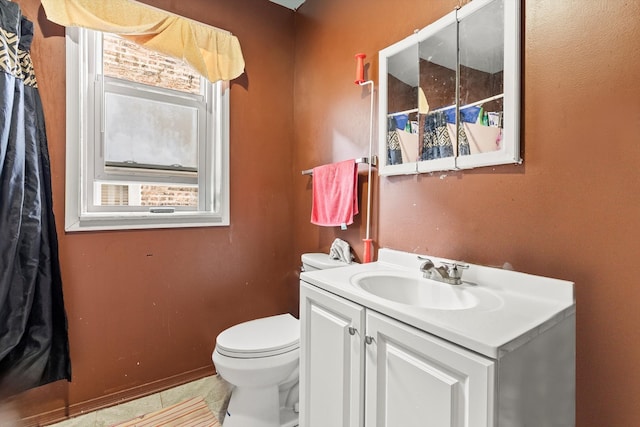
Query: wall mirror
point(450, 92)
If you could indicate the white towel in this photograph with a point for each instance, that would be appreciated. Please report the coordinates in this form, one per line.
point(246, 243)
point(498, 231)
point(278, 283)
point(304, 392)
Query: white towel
point(341, 251)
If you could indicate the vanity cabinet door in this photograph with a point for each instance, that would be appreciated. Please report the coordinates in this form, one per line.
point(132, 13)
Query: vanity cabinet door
point(331, 360)
point(414, 379)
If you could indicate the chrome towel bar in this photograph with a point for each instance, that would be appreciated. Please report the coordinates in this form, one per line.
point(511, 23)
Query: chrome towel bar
point(364, 160)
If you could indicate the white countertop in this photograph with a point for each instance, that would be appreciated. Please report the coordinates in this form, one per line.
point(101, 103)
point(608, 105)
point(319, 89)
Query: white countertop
point(513, 307)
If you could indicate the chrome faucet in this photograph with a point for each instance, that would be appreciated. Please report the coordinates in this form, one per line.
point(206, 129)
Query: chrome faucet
point(448, 272)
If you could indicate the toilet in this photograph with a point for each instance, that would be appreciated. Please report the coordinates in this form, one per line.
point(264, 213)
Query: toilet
point(260, 359)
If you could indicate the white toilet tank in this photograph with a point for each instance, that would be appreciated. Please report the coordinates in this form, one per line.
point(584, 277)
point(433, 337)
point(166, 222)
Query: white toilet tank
point(319, 261)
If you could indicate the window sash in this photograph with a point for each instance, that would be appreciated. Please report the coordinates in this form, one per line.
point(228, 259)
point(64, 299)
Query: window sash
point(97, 170)
point(193, 107)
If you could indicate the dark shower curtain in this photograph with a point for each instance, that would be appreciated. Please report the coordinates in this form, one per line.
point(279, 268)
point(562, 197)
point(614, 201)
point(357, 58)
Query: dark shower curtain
point(34, 347)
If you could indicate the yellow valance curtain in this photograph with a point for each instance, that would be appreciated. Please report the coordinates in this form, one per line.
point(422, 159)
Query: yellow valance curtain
point(214, 53)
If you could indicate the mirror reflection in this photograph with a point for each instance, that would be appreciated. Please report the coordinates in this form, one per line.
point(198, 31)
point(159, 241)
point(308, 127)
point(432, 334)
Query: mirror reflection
point(402, 124)
point(481, 36)
point(450, 92)
point(438, 64)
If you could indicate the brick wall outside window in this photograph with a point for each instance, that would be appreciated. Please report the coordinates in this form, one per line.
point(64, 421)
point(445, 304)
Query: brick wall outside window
point(156, 195)
point(126, 60)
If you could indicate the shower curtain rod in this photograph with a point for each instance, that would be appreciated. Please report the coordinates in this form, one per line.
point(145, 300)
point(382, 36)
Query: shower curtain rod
point(473, 104)
point(399, 113)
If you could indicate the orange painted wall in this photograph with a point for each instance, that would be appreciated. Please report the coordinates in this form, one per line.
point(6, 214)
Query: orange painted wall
point(570, 210)
point(144, 307)
point(158, 298)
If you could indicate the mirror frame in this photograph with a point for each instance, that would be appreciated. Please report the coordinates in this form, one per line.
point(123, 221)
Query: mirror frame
point(510, 150)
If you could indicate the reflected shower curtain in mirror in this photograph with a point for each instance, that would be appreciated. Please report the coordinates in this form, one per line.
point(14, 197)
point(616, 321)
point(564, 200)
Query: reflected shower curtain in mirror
point(34, 346)
point(437, 143)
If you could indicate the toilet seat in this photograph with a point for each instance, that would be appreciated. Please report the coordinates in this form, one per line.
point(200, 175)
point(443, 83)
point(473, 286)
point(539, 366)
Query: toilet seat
point(268, 336)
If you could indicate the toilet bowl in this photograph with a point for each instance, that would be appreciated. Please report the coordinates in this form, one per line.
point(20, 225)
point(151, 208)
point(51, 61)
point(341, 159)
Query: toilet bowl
point(260, 359)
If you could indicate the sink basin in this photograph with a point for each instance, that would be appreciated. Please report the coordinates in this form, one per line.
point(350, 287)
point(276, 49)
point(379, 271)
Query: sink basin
point(412, 289)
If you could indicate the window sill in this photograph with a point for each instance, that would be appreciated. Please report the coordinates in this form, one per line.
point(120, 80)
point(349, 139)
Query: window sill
point(144, 220)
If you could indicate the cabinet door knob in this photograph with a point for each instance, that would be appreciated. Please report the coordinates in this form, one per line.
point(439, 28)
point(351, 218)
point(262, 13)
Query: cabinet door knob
point(352, 330)
point(368, 339)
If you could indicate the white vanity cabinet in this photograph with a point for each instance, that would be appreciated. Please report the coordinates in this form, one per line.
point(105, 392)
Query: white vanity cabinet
point(414, 379)
point(411, 378)
point(502, 356)
point(331, 360)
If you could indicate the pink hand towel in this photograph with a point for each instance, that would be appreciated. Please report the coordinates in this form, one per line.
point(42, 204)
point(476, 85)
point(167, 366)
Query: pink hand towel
point(335, 194)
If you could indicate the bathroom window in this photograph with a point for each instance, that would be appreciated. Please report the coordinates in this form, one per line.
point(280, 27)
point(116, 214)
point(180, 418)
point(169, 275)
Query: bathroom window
point(147, 138)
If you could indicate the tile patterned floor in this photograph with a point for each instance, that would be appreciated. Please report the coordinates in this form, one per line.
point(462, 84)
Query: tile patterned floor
point(213, 389)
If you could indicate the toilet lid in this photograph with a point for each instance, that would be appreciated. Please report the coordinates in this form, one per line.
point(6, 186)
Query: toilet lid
point(263, 337)
point(321, 261)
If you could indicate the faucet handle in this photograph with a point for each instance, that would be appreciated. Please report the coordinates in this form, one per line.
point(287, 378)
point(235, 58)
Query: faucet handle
point(455, 264)
point(427, 263)
point(453, 267)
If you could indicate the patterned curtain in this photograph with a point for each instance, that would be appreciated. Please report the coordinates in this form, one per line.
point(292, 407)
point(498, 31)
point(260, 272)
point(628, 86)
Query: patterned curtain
point(34, 347)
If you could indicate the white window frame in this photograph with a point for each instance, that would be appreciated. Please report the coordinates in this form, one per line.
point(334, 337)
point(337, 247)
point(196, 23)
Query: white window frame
point(83, 128)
